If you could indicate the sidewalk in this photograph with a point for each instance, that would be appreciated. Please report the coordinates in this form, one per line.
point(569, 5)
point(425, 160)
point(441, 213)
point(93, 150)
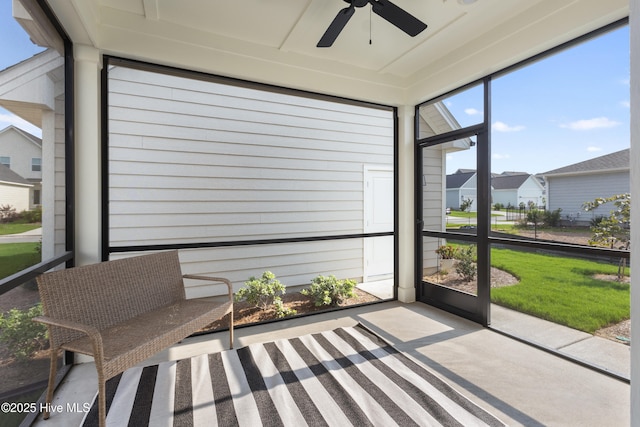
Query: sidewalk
point(609, 355)
point(31, 236)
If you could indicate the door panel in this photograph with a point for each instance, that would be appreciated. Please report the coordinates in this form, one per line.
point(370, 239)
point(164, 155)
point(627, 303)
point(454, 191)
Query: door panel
point(378, 218)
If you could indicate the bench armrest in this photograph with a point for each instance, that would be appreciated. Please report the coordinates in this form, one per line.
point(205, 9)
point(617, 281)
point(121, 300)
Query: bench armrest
point(212, 279)
point(91, 331)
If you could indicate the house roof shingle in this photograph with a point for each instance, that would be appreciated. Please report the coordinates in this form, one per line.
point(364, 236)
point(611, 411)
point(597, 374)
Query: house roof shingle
point(507, 182)
point(7, 175)
point(457, 180)
point(614, 161)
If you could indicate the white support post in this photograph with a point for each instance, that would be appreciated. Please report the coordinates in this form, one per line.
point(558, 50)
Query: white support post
point(406, 209)
point(87, 155)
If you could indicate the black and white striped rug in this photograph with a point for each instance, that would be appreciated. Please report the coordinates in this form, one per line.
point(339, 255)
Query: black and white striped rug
point(348, 376)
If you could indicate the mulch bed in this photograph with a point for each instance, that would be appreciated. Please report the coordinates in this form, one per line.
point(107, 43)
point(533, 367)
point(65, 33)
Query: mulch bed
point(244, 313)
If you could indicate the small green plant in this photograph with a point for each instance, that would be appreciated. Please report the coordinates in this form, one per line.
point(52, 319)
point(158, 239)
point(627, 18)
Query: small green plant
point(329, 290)
point(466, 204)
point(466, 266)
point(23, 336)
point(32, 216)
point(265, 292)
point(447, 252)
point(552, 218)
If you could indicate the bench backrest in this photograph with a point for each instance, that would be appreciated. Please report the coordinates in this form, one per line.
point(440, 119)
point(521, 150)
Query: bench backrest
point(107, 293)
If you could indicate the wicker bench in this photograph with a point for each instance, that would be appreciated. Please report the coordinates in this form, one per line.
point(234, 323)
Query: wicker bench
point(122, 312)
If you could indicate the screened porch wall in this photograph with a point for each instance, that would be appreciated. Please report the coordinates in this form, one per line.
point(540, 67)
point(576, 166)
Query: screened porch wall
point(193, 161)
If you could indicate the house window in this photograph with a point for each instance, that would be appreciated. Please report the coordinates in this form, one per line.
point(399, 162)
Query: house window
point(36, 197)
point(36, 164)
point(5, 160)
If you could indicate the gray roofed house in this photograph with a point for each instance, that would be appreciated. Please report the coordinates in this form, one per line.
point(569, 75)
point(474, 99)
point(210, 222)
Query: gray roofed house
point(10, 177)
point(14, 189)
point(569, 187)
point(461, 186)
point(21, 152)
point(508, 188)
point(514, 188)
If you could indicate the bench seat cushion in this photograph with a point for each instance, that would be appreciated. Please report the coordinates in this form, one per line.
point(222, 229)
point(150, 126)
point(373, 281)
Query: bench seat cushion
point(139, 338)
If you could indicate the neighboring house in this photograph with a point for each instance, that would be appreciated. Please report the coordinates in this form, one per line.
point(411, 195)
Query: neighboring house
point(34, 91)
point(462, 186)
point(571, 186)
point(508, 188)
point(513, 188)
point(22, 153)
point(14, 189)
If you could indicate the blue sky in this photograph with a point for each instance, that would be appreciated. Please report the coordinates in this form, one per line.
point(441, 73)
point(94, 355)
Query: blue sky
point(561, 110)
point(564, 109)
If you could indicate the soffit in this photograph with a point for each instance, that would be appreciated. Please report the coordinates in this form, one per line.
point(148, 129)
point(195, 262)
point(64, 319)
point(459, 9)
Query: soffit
point(275, 41)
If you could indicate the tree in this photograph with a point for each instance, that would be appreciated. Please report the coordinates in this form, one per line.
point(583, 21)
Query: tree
point(612, 231)
point(466, 204)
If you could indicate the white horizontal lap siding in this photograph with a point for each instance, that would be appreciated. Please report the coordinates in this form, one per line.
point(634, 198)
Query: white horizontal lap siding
point(570, 192)
point(433, 202)
point(294, 264)
point(193, 161)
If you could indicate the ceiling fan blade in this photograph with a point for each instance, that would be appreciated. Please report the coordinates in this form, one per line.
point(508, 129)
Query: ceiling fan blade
point(398, 17)
point(336, 26)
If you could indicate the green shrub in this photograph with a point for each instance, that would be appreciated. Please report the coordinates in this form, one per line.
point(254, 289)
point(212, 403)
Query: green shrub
point(22, 335)
point(447, 252)
point(329, 290)
point(466, 266)
point(263, 293)
point(552, 218)
point(31, 216)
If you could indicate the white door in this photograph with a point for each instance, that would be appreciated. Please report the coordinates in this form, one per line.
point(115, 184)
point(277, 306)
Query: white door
point(378, 217)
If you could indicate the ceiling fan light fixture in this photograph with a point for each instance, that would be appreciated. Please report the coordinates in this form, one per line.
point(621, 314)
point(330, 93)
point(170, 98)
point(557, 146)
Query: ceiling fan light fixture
point(383, 8)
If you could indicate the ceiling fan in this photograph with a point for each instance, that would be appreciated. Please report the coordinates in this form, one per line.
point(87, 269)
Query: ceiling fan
point(383, 8)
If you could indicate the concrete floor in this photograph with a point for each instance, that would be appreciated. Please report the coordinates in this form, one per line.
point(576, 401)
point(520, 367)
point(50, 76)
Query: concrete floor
point(516, 382)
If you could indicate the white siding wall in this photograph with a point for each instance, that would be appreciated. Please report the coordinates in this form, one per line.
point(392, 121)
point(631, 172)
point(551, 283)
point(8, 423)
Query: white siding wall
point(505, 197)
point(59, 177)
point(21, 150)
point(570, 192)
point(433, 192)
point(530, 190)
point(469, 190)
point(193, 161)
point(14, 195)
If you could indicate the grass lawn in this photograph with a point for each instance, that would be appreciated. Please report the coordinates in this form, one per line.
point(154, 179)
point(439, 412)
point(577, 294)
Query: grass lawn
point(461, 214)
point(15, 228)
point(562, 289)
point(17, 256)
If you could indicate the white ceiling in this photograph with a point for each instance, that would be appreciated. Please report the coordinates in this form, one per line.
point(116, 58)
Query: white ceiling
point(274, 41)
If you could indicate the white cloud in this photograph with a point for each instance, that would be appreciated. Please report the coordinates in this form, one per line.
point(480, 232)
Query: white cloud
point(625, 104)
point(472, 111)
point(498, 156)
point(503, 127)
point(593, 149)
point(589, 124)
point(12, 119)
